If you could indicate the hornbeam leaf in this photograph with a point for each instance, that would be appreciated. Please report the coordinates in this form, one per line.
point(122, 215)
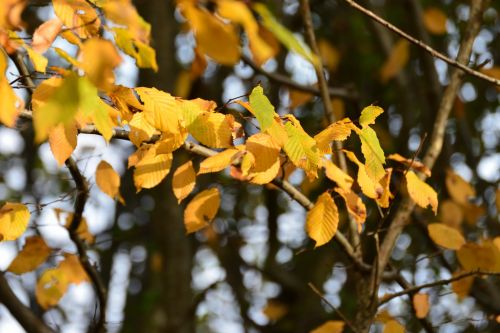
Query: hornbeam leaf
point(144, 55)
point(108, 180)
point(445, 236)
point(355, 206)
point(10, 103)
point(150, 168)
point(264, 110)
point(160, 109)
point(331, 326)
point(218, 162)
point(183, 181)
point(322, 220)
point(201, 210)
point(267, 163)
point(334, 173)
point(78, 16)
point(14, 218)
point(420, 192)
point(34, 253)
point(369, 114)
point(338, 131)
point(373, 153)
point(62, 141)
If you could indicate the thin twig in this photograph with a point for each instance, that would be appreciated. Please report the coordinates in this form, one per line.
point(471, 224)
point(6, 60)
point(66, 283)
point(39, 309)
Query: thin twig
point(415, 289)
point(80, 201)
point(421, 44)
point(341, 315)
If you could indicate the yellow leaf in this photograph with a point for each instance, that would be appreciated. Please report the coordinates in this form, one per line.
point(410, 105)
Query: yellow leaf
point(370, 188)
point(63, 54)
point(334, 173)
point(183, 181)
point(218, 162)
point(373, 153)
point(73, 269)
point(301, 148)
point(124, 13)
point(170, 142)
point(201, 210)
point(45, 34)
point(275, 310)
point(473, 212)
point(267, 164)
point(355, 206)
point(144, 55)
point(384, 200)
point(484, 257)
point(435, 21)
point(329, 54)
point(62, 141)
point(33, 254)
point(338, 131)
point(420, 192)
point(369, 114)
point(331, 326)
point(160, 109)
point(78, 16)
point(421, 304)
point(238, 12)
point(209, 31)
point(262, 108)
point(412, 163)
point(10, 103)
point(108, 180)
point(393, 326)
point(446, 236)
point(140, 129)
point(38, 60)
point(99, 58)
point(51, 287)
point(459, 190)
point(83, 229)
point(462, 287)
point(322, 220)
point(14, 218)
point(451, 213)
point(10, 14)
point(151, 168)
point(212, 129)
point(400, 54)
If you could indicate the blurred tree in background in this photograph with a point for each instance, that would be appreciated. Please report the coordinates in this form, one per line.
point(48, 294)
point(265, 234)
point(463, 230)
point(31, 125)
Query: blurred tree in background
point(249, 166)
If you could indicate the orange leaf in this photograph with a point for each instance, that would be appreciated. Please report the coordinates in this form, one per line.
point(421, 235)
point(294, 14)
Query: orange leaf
point(45, 34)
point(183, 181)
point(62, 141)
point(446, 236)
point(355, 206)
point(421, 305)
point(108, 180)
point(435, 21)
point(201, 210)
point(33, 254)
point(331, 326)
point(459, 189)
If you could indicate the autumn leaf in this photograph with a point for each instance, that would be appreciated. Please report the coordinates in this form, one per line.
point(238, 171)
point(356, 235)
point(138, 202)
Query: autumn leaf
point(338, 131)
point(420, 192)
point(484, 257)
point(99, 58)
point(150, 168)
point(329, 54)
point(445, 236)
point(451, 213)
point(334, 173)
point(45, 35)
point(62, 141)
point(218, 162)
point(369, 114)
point(411, 163)
point(78, 16)
point(275, 310)
point(201, 210)
point(421, 304)
point(393, 326)
point(462, 287)
point(384, 200)
point(10, 103)
point(51, 287)
point(331, 326)
point(435, 20)
point(459, 189)
point(82, 230)
point(369, 187)
point(73, 269)
point(183, 181)
point(123, 13)
point(140, 129)
point(144, 55)
point(108, 180)
point(34, 253)
point(262, 108)
point(267, 164)
point(14, 218)
point(400, 54)
point(160, 109)
point(322, 220)
point(373, 153)
point(355, 206)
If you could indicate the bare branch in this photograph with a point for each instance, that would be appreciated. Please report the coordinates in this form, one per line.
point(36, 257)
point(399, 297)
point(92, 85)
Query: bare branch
point(95, 278)
point(415, 289)
point(23, 314)
point(455, 63)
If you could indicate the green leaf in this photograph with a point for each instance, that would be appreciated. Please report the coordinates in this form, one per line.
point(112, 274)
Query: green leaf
point(264, 110)
point(373, 153)
point(301, 148)
point(369, 114)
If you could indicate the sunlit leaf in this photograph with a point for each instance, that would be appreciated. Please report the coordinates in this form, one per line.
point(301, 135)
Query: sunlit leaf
point(420, 192)
point(45, 34)
point(160, 109)
point(331, 326)
point(338, 131)
point(14, 218)
point(78, 16)
point(373, 153)
point(62, 141)
point(218, 162)
point(144, 55)
point(393, 326)
point(150, 168)
point(369, 114)
point(446, 236)
point(370, 188)
point(264, 110)
point(459, 189)
point(51, 287)
point(10, 103)
point(34, 253)
point(355, 206)
point(322, 220)
point(411, 163)
point(201, 210)
point(140, 129)
point(400, 54)
point(384, 200)
point(73, 269)
point(334, 173)
point(435, 20)
point(421, 304)
point(183, 181)
point(267, 164)
point(99, 58)
point(108, 180)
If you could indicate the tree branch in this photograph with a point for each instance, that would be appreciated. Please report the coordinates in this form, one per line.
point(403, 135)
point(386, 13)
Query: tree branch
point(455, 63)
point(23, 314)
point(95, 278)
point(415, 289)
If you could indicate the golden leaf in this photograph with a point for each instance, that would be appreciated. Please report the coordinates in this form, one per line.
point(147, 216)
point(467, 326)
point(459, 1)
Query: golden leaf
point(33, 254)
point(183, 181)
point(338, 131)
point(460, 190)
point(420, 192)
point(150, 168)
point(370, 188)
point(99, 58)
point(78, 16)
point(373, 153)
point(73, 269)
point(331, 326)
point(334, 173)
point(393, 326)
point(140, 129)
point(160, 109)
point(355, 206)
point(484, 257)
point(209, 31)
point(144, 55)
point(421, 304)
point(218, 162)
point(201, 210)
point(123, 12)
point(267, 164)
point(275, 310)
point(446, 236)
point(10, 14)
point(14, 218)
point(46, 34)
point(369, 114)
point(51, 287)
point(108, 180)
point(400, 54)
point(384, 200)
point(62, 141)
point(83, 229)
point(10, 103)
point(435, 20)
point(451, 213)
point(462, 287)
point(322, 220)
point(413, 164)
